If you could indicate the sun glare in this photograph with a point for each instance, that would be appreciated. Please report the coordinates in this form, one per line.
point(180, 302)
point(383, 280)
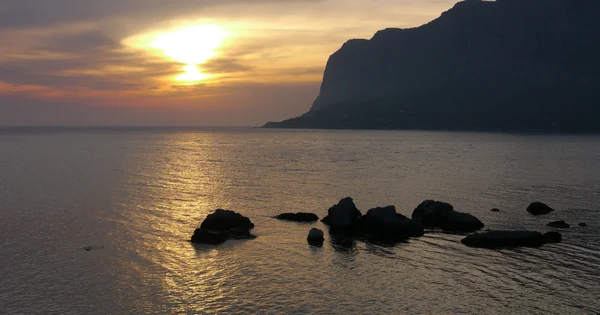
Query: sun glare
point(192, 74)
point(191, 45)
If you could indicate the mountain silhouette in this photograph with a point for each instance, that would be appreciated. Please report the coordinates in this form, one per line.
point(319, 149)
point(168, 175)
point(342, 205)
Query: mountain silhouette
point(505, 65)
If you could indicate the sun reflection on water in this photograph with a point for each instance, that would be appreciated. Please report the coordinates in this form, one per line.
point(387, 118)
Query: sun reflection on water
point(171, 191)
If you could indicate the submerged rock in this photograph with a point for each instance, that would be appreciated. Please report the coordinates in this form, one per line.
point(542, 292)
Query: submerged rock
point(436, 214)
point(315, 237)
point(505, 239)
point(343, 217)
point(221, 226)
point(559, 224)
point(298, 217)
point(553, 237)
point(386, 225)
point(539, 208)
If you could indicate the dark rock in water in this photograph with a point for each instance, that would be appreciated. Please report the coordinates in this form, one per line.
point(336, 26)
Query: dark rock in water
point(221, 226)
point(209, 237)
point(495, 210)
point(343, 217)
point(436, 214)
point(225, 220)
point(430, 212)
point(505, 239)
point(583, 224)
point(460, 222)
point(90, 247)
point(538, 208)
point(240, 234)
point(559, 224)
point(315, 237)
point(386, 225)
point(298, 217)
point(552, 237)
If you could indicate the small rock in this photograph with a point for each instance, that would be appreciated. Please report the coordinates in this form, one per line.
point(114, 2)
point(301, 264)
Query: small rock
point(315, 237)
point(92, 247)
point(559, 224)
point(298, 217)
point(538, 208)
point(495, 210)
point(506, 239)
point(583, 224)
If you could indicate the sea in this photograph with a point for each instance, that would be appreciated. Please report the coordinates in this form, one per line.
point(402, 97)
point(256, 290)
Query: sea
point(133, 196)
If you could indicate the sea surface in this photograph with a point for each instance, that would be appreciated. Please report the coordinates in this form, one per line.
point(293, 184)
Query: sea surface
point(135, 195)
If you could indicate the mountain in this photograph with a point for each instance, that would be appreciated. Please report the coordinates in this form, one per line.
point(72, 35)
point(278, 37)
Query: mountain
point(505, 65)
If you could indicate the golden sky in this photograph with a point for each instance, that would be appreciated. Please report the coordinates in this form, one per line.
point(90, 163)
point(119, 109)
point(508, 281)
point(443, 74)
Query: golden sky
point(178, 62)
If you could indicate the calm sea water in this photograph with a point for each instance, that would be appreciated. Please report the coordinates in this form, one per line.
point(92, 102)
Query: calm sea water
point(136, 195)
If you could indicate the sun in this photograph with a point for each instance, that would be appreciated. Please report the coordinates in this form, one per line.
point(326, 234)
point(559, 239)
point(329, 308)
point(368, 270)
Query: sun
point(191, 45)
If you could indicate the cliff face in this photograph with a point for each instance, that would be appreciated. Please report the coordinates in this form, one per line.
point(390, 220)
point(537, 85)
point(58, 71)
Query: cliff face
point(515, 65)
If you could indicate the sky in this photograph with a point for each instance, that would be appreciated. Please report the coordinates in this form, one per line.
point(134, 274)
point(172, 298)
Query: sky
point(178, 62)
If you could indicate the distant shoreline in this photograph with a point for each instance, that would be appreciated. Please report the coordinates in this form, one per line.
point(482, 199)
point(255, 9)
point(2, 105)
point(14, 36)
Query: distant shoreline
point(95, 129)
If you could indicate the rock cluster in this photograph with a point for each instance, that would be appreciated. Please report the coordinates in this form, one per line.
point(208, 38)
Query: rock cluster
point(385, 225)
point(381, 224)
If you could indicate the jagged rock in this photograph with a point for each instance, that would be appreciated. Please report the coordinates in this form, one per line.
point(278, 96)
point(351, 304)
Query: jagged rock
point(436, 214)
point(559, 224)
point(511, 65)
point(343, 217)
point(315, 237)
point(221, 226)
point(539, 208)
point(386, 225)
point(504, 239)
point(298, 217)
